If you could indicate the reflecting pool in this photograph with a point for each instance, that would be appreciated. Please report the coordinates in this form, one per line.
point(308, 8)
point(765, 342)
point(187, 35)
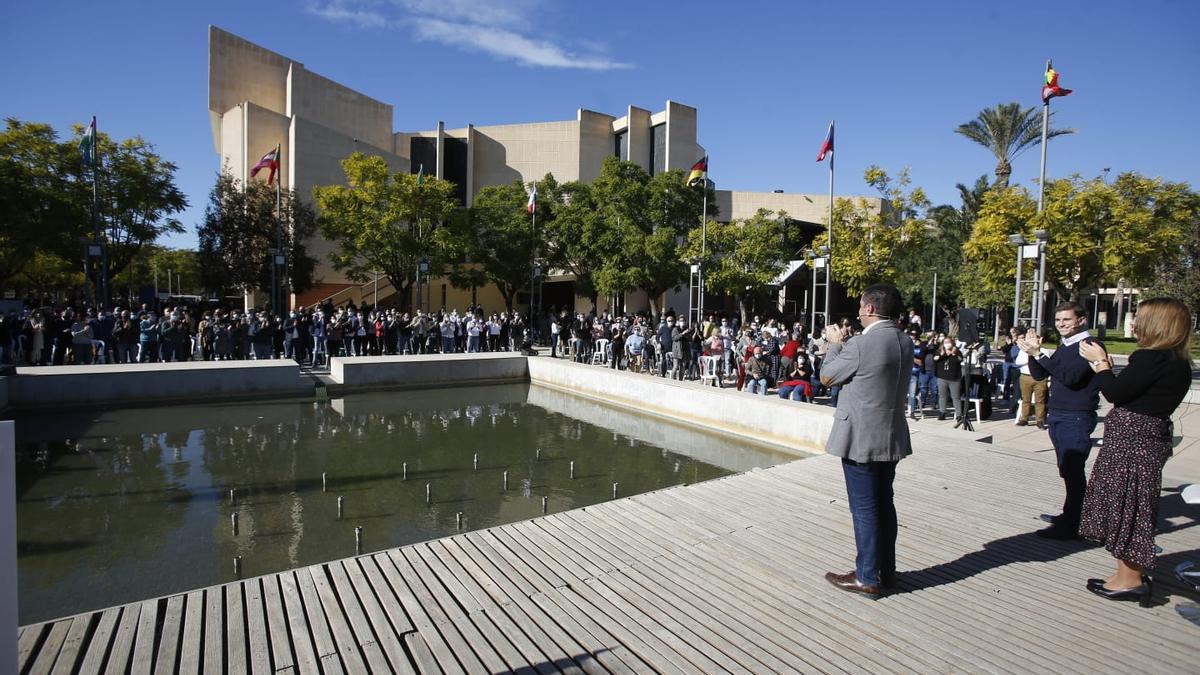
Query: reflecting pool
point(119, 505)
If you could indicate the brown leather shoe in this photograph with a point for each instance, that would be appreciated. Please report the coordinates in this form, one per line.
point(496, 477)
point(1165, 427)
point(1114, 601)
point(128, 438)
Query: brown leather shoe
point(850, 582)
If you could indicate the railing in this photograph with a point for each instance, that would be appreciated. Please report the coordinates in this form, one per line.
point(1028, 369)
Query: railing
point(356, 294)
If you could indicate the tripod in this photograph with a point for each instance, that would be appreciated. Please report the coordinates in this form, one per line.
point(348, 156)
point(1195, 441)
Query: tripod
point(964, 398)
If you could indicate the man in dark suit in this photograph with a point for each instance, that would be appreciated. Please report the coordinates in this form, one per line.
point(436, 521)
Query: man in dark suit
point(870, 433)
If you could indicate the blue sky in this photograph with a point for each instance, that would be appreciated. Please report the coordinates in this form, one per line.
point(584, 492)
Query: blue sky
point(766, 76)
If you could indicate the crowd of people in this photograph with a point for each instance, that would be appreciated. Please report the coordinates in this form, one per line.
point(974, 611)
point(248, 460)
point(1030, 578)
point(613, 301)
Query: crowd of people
point(765, 355)
point(69, 336)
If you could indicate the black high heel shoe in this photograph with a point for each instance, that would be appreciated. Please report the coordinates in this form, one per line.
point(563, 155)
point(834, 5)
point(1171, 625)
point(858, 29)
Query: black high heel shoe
point(1140, 593)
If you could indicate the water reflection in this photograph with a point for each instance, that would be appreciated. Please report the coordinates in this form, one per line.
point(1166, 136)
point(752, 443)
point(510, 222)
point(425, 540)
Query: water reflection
point(134, 503)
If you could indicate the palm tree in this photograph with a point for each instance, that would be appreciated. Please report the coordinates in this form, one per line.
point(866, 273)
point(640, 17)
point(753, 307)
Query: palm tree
point(1007, 130)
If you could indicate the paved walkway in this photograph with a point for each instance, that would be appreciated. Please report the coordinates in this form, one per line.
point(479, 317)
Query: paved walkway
point(720, 576)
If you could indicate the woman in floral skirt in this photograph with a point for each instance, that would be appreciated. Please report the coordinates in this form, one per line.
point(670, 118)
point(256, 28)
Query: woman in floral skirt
point(1120, 509)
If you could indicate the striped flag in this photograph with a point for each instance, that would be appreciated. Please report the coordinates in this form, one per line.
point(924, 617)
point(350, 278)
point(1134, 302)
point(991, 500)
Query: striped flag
point(268, 161)
point(532, 200)
point(699, 171)
point(87, 144)
point(1051, 89)
point(420, 175)
point(827, 146)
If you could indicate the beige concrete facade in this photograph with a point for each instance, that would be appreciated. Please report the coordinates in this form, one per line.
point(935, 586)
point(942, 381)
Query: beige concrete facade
point(259, 99)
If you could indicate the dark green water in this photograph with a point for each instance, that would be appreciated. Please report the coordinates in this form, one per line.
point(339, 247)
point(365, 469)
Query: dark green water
point(120, 505)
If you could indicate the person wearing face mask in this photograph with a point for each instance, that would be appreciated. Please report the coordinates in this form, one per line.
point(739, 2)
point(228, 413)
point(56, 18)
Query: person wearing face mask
point(291, 334)
point(665, 331)
point(148, 339)
point(949, 373)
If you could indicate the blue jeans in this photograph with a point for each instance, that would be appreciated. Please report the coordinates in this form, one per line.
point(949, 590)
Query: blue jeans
point(869, 489)
point(1071, 434)
point(447, 345)
point(796, 393)
point(757, 386)
point(472, 343)
point(929, 390)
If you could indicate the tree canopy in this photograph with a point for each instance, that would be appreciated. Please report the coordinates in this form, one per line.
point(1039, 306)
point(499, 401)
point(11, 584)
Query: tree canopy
point(388, 222)
point(240, 228)
point(1097, 232)
point(870, 245)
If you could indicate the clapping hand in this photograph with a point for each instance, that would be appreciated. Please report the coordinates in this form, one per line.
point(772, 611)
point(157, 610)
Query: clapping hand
point(1031, 343)
point(835, 334)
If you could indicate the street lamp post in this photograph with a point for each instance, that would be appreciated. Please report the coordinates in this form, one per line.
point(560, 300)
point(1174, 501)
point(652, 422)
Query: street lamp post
point(1043, 238)
point(422, 272)
point(1019, 241)
point(827, 261)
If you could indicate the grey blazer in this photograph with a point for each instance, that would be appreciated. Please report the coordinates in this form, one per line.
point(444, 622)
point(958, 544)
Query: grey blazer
point(873, 370)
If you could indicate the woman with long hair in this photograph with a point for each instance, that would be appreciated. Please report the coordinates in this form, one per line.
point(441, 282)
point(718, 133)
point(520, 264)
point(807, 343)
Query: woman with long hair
point(1120, 508)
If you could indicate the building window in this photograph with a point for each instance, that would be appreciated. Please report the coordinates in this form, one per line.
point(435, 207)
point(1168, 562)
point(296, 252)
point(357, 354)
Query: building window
point(621, 145)
point(658, 149)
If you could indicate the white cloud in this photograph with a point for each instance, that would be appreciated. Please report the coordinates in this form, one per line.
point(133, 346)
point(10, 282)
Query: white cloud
point(507, 44)
point(346, 12)
point(498, 29)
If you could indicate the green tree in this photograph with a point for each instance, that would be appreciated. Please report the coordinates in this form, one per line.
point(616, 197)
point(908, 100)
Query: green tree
point(388, 222)
point(1007, 130)
point(871, 244)
point(576, 234)
point(38, 208)
point(240, 228)
point(498, 241)
point(741, 257)
point(137, 196)
point(940, 251)
point(1097, 232)
point(1178, 272)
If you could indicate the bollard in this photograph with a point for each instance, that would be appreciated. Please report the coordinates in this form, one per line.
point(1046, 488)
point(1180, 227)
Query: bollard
point(233, 517)
point(404, 476)
point(615, 490)
point(340, 499)
point(428, 495)
point(458, 520)
point(505, 481)
point(324, 482)
point(475, 462)
point(237, 566)
point(232, 496)
point(572, 468)
point(538, 455)
point(358, 540)
point(543, 504)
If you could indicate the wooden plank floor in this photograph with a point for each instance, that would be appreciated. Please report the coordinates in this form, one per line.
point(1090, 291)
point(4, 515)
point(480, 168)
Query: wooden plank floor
point(721, 576)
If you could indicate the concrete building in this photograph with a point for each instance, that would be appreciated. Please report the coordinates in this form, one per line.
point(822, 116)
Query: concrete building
point(258, 99)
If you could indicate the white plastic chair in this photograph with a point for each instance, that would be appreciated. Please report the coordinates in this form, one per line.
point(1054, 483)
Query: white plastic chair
point(709, 369)
point(600, 353)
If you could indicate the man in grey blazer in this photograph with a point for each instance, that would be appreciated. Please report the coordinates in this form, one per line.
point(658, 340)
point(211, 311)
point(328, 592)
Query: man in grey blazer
point(870, 432)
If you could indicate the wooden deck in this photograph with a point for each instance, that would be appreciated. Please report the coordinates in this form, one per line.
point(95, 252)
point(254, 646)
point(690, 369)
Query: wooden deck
point(722, 576)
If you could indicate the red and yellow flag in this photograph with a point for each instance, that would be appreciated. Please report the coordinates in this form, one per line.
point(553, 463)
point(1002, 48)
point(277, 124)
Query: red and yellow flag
point(699, 171)
point(1051, 89)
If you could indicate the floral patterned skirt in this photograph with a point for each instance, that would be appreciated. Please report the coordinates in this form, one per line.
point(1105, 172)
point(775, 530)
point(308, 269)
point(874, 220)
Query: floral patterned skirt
point(1120, 509)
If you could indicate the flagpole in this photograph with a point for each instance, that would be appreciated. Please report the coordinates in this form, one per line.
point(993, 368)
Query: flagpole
point(276, 283)
point(829, 259)
point(703, 246)
point(100, 280)
point(1045, 131)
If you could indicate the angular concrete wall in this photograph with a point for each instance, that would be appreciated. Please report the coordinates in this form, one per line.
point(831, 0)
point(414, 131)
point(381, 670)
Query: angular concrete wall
point(799, 427)
point(119, 384)
point(415, 372)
